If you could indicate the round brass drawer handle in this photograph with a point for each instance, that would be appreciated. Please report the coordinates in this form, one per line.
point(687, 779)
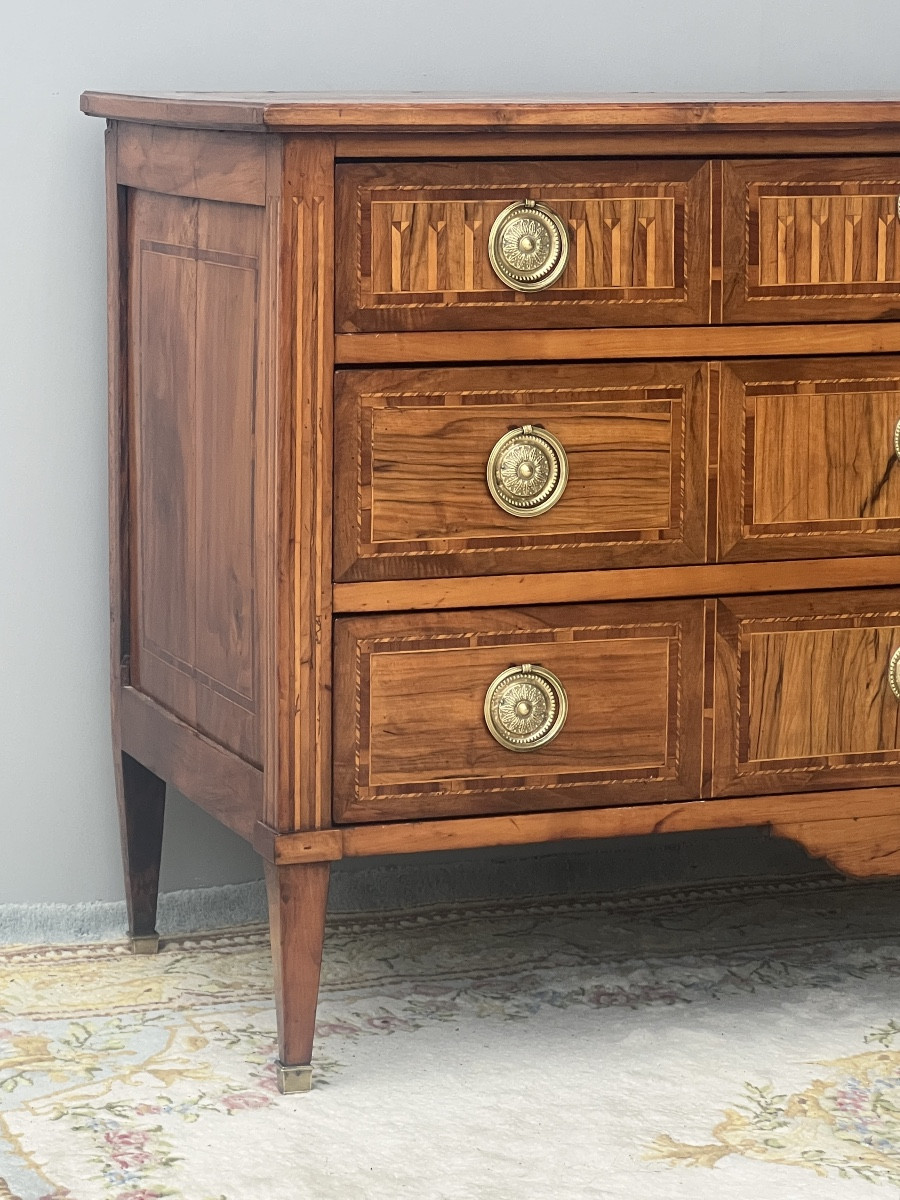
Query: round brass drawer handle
point(527, 471)
point(525, 707)
point(528, 246)
point(894, 672)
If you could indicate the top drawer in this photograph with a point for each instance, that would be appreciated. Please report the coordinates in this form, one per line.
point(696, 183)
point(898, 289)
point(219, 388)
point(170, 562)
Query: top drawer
point(413, 244)
point(811, 240)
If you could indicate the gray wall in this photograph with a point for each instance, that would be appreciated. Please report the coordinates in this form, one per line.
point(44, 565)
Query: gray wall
point(57, 832)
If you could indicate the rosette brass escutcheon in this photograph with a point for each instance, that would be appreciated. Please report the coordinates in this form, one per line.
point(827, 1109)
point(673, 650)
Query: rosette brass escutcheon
point(527, 471)
point(525, 707)
point(528, 246)
point(893, 672)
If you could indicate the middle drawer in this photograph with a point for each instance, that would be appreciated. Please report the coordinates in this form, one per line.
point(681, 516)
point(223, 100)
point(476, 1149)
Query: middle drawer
point(474, 470)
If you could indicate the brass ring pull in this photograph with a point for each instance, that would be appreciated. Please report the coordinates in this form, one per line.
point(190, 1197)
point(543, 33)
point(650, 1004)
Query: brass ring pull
point(528, 246)
point(893, 672)
point(897, 440)
point(525, 707)
point(527, 471)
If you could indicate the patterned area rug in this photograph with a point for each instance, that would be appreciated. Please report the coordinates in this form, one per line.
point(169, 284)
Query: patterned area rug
point(718, 1043)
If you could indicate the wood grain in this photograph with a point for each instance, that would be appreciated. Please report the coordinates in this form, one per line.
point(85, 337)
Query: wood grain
point(864, 847)
point(412, 244)
point(194, 163)
point(612, 142)
point(660, 342)
point(410, 733)
point(282, 849)
point(410, 493)
point(812, 240)
point(437, 111)
point(303, 501)
point(591, 586)
point(802, 693)
point(807, 461)
point(220, 782)
point(298, 896)
point(814, 809)
point(193, 276)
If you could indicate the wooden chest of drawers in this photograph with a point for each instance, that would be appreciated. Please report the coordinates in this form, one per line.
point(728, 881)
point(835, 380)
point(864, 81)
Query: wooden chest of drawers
point(493, 472)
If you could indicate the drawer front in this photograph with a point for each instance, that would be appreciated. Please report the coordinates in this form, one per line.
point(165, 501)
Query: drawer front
point(811, 240)
point(413, 244)
point(808, 461)
point(625, 484)
point(803, 693)
point(411, 734)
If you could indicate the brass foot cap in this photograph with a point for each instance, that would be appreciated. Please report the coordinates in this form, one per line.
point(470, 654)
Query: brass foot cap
point(292, 1079)
point(145, 943)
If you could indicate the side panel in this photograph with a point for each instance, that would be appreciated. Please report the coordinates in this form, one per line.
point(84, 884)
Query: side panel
point(194, 294)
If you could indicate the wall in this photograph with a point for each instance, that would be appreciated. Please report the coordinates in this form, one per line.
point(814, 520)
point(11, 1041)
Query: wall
point(58, 839)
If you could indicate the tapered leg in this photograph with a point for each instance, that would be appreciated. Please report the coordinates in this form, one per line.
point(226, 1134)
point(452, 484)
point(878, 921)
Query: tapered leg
point(298, 896)
point(142, 802)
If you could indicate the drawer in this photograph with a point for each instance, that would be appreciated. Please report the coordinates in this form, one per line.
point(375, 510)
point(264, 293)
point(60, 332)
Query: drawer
point(808, 461)
point(437, 473)
point(811, 240)
point(602, 702)
point(413, 247)
point(803, 692)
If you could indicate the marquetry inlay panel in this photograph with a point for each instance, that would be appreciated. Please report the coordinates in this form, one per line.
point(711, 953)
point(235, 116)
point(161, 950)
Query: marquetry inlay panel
point(803, 693)
point(410, 731)
point(808, 458)
point(812, 239)
point(416, 244)
point(411, 497)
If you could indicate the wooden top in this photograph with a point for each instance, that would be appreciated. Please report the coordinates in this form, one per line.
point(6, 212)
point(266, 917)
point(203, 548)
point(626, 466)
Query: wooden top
point(432, 110)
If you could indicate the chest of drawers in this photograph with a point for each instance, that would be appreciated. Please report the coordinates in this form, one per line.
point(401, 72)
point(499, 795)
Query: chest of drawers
point(494, 472)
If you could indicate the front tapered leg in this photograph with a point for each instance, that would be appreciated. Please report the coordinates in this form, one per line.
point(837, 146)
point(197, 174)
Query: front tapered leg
point(142, 802)
point(298, 896)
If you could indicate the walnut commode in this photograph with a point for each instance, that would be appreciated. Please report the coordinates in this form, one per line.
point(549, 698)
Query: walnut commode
point(493, 472)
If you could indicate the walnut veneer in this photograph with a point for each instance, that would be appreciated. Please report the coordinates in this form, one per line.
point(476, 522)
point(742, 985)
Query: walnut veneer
point(329, 628)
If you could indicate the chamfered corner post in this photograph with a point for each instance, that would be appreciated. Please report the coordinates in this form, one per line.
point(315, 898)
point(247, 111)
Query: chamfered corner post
point(298, 896)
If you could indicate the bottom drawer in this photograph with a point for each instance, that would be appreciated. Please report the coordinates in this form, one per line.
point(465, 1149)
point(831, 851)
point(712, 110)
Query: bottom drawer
point(803, 695)
point(589, 705)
